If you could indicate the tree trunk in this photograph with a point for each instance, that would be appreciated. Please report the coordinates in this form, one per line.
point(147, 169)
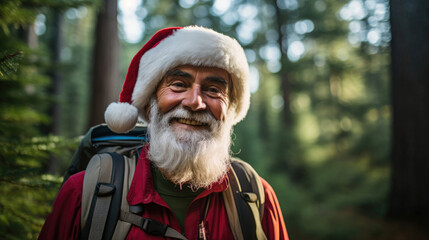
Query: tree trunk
point(409, 196)
point(31, 37)
point(56, 77)
point(105, 79)
point(282, 19)
point(56, 46)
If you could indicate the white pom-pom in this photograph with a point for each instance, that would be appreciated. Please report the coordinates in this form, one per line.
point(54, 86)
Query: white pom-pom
point(121, 117)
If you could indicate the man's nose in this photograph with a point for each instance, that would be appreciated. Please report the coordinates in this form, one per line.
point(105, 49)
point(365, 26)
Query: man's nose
point(194, 99)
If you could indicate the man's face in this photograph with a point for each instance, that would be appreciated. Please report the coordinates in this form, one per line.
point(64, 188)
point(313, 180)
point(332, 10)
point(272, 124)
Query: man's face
point(190, 126)
point(196, 89)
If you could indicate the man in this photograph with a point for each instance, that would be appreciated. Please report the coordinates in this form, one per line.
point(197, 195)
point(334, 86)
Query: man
point(191, 86)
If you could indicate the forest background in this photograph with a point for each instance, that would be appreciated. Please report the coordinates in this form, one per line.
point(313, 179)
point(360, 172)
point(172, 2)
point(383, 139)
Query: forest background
point(338, 122)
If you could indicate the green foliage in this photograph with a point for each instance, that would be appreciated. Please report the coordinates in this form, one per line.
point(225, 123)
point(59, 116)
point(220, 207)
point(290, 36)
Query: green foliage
point(26, 190)
point(24, 206)
point(24, 187)
point(12, 13)
point(20, 13)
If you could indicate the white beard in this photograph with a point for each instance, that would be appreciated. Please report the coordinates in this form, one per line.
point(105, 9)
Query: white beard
point(198, 158)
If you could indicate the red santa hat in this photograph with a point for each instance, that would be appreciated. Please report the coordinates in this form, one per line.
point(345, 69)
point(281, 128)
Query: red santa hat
point(170, 48)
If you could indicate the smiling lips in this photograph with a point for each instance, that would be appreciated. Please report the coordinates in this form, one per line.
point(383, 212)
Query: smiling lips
point(190, 122)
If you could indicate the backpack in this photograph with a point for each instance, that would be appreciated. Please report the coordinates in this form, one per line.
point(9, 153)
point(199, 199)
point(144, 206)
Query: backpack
point(110, 160)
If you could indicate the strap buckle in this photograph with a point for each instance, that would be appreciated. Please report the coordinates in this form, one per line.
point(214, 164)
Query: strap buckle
point(153, 227)
point(249, 196)
point(105, 189)
point(137, 209)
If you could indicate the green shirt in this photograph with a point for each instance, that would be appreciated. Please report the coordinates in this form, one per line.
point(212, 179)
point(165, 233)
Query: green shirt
point(177, 199)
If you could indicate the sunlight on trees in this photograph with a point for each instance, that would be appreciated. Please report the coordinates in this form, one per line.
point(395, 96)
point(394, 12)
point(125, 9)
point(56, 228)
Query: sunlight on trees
point(131, 20)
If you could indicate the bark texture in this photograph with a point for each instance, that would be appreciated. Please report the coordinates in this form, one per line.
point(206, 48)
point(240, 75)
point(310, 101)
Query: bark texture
point(105, 79)
point(409, 197)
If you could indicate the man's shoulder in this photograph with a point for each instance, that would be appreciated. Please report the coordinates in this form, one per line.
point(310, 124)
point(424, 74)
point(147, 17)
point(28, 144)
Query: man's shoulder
point(74, 183)
point(246, 165)
point(249, 168)
point(266, 185)
point(77, 178)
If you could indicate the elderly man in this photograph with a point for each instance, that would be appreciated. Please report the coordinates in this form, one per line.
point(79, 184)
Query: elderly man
point(191, 86)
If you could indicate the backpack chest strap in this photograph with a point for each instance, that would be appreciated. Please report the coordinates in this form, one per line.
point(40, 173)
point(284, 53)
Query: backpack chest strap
point(150, 226)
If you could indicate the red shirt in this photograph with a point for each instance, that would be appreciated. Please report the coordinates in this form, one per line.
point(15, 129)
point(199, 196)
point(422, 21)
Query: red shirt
point(64, 221)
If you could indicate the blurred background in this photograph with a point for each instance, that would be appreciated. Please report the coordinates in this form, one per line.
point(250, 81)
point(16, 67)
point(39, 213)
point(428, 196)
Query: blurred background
point(338, 122)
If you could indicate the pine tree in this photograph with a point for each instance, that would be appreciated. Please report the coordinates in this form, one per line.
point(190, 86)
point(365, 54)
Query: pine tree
point(24, 100)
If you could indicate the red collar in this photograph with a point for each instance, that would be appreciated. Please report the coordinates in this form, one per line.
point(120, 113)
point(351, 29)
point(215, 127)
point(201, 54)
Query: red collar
point(143, 191)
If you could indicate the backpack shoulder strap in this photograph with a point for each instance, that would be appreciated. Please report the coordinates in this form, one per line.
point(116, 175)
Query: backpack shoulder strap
point(244, 201)
point(106, 183)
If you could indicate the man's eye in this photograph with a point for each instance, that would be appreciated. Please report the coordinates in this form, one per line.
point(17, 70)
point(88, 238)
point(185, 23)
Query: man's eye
point(213, 90)
point(178, 84)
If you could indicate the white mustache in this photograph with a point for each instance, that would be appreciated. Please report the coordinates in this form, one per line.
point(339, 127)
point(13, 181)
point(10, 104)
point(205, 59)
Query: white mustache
point(205, 118)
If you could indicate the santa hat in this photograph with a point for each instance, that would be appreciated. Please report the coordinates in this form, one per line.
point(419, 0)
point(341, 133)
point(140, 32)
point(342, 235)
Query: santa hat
point(170, 48)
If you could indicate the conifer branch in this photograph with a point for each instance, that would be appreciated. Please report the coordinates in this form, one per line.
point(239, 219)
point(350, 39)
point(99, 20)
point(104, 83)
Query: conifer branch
point(8, 63)
point(10, 56)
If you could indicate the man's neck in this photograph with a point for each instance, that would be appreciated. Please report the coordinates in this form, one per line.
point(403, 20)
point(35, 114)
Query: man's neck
point(165, 186)
point(177, 197)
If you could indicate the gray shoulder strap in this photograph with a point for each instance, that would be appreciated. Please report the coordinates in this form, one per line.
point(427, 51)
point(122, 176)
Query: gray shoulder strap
point(107, 179)
point(96, 169)
point(244, 201)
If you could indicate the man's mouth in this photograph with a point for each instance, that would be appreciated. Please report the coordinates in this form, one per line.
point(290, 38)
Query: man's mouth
point(191, 122)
